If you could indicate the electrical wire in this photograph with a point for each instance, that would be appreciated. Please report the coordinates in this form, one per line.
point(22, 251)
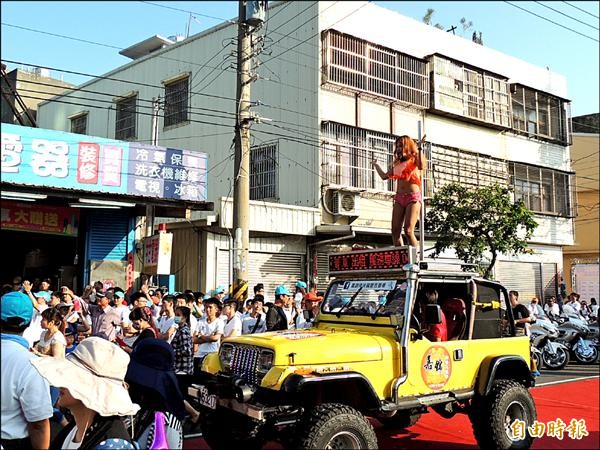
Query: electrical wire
point(582, 10)
point(190, 12)
point(103, 77)
point(566, 15)
point(318, 32)
point(552, 21)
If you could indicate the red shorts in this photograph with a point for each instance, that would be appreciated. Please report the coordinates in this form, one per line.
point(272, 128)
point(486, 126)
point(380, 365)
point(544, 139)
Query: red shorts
point(406, 198)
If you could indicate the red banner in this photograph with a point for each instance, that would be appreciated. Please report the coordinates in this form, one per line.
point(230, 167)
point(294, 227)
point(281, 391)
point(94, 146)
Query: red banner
point(39, 218)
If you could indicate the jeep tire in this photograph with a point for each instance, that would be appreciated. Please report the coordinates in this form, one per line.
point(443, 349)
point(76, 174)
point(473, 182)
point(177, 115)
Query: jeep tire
point(222, 431)
point(335, 426)
point(400, 420)
point(491, 416)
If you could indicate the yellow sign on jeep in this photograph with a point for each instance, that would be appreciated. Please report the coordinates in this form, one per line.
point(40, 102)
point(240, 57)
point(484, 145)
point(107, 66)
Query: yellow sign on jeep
point(393, 339)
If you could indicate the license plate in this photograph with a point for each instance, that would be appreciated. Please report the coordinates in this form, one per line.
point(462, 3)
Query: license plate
point(206, 399)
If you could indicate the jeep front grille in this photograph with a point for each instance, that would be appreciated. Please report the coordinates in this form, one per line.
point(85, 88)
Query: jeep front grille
point(244, 363)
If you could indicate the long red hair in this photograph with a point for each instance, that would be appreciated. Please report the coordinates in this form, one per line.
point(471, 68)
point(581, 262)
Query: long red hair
point(407, 147)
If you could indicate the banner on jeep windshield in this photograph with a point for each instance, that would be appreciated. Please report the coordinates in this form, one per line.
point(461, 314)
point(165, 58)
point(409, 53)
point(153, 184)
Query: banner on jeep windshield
point(371, 260)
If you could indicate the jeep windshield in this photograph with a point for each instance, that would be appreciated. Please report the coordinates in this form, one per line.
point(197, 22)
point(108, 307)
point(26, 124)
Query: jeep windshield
point(366, 297)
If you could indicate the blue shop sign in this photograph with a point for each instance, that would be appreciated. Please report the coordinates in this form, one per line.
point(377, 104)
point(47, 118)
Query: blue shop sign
point(37, 157)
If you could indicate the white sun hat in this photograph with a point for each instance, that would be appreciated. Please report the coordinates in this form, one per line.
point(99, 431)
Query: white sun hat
point(94, 373)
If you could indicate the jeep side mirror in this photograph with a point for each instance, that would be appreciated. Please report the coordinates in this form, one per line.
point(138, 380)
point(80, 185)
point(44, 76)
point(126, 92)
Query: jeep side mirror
point(433, 314)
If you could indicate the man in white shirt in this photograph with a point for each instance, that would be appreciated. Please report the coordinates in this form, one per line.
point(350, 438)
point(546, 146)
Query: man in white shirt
point(209, 332)
point(535, 310)
point(166, 322)
point(552, 309)
point(301, 287)
point(233, 322)
point(256, 320)
point(25, 403)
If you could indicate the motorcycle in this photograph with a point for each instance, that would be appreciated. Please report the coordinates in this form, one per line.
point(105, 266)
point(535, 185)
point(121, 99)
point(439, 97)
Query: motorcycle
point(572, 332)
point(554, 355)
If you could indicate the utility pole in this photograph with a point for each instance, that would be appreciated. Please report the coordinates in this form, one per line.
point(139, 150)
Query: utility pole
point(153, 141)
point(241, 187)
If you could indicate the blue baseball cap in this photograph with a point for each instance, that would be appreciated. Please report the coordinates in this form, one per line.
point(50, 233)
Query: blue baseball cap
point(301, 284)
point(281, 290)
point(220, 290)
point(16, 308)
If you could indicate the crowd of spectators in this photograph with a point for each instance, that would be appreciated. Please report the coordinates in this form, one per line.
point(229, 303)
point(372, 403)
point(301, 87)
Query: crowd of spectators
point(140, 351)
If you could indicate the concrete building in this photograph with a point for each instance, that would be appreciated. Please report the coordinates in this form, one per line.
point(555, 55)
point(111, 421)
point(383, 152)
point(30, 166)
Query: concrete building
point(33, 87)
point(339, 88)
point(581, 260)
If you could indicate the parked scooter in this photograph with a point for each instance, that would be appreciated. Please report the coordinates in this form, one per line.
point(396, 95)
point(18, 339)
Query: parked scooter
point(554, 355)
point(572, 332)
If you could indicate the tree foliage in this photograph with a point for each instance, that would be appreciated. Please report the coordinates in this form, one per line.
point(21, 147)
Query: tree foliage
point(476, 221)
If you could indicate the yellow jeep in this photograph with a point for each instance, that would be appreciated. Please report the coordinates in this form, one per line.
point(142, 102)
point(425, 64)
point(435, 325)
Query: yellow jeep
point(368, 354)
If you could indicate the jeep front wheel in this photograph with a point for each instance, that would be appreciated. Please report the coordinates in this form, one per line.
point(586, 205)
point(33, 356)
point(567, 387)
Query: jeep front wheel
point(493, 415)
point(335, 426)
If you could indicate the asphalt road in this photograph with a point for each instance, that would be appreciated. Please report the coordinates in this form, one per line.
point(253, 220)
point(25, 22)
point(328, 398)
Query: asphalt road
point(572, 372)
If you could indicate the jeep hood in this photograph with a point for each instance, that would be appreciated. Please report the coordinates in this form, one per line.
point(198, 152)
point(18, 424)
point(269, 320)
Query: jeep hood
point(317, 346)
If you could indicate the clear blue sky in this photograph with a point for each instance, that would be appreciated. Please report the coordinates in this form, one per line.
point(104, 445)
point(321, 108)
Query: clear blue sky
point(123, 23)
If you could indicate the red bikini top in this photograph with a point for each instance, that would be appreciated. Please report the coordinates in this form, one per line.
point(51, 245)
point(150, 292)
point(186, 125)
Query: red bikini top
point(406, 170)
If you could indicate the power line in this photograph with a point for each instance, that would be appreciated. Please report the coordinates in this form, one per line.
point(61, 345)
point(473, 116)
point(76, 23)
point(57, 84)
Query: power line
point(318, 32)
point(103, 77)
point(102, 45)
point(552, 21)
point(582, 10)
point(566, 15)
point(190, 12)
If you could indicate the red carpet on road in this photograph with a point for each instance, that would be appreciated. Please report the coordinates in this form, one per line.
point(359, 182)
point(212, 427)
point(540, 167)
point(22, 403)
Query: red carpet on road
point(566, 401)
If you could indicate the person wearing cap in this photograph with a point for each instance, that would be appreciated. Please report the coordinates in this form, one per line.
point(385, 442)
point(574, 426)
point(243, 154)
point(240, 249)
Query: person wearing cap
point(44, 290)
point(25, 397)
point(232, 321)
point(301, 287)
point(105, 319)
point(123, 309)
point(311, 310)
point(209, 332)
point(92, 387)
point(34, 330)
point(220, 292)
point(256, 320)
point(280, 316)
point(153, 386)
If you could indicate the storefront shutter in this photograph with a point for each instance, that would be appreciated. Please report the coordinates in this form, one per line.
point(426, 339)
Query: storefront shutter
point(107, 235)
point(524, 277)
point(549, 281)
point(271, 269)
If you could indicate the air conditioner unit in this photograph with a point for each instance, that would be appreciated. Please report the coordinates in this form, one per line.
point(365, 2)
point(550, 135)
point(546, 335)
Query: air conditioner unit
point(346, 203)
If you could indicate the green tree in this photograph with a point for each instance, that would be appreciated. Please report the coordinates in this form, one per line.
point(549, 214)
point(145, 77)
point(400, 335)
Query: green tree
point(473, 221)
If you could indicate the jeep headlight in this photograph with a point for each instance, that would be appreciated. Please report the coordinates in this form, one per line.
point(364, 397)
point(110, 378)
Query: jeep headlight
point(265, 360)
point(226, 355)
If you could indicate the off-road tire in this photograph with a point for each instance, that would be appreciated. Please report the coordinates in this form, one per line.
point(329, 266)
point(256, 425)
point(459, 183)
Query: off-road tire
point(221, 432)
point(508, 400)
point(333, 425)
point(399, 420)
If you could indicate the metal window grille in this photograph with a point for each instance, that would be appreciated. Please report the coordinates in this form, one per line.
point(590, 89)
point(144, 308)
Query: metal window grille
point(540, 115)
point(544, 190)
point(79, 124)
point(125, 123)
point(470, 92)
point(363, 66)
point(453, 165)
point(177, 102)
point(347, 152)
point(263, 174)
